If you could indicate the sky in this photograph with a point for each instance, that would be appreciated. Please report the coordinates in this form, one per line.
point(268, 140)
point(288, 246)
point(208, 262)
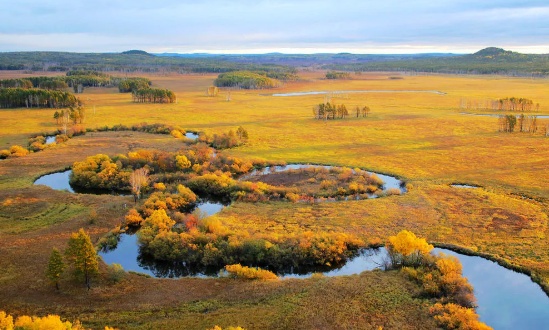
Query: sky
point(286, 26)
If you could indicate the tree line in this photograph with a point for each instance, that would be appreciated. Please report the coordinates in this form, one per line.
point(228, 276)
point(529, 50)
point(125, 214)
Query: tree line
point(331, 110)
point(38, 98)
point(503, 104)
point(338, 75)
point(523, 123)
point(78, 80)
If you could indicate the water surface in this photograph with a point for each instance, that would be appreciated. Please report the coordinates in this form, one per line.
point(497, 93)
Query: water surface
point(354, 92)
point(57, 181)
point(191, 135)
point(463, 186)
point(61, 181)
point(506, 299)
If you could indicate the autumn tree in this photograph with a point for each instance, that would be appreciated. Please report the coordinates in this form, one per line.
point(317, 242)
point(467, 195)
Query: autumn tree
point(452, 316)
point(242, 133)
point(65, 120)
point(365, 111)
point(133, 218)
point(182, 162)
point(138, 179)
point(56, 116)
point(405, 249)
point(25, 322)
point(212, 91)
point(56, 266)
point(507, 123)
point(82, 257)
point(6, 321)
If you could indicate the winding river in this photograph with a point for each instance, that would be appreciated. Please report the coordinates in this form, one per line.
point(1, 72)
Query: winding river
point(353, 92)
point(503, 114)
point(506, 299)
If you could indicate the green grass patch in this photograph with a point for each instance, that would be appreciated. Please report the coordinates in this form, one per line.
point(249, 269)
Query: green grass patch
point(20, 218)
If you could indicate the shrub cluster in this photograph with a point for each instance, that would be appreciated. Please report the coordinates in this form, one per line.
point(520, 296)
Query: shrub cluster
point(440, 277)
point(226, 140)
point(249, 273)
point(337, 75)
point(206, 243)
point(14, 151)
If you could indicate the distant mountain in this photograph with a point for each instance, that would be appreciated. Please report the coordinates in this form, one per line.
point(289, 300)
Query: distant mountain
point(136, 52)
point(188, 55)
point(491, 60)
point(491, 51)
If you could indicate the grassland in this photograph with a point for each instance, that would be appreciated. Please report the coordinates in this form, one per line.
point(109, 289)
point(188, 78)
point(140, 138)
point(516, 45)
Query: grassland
point(421, 137)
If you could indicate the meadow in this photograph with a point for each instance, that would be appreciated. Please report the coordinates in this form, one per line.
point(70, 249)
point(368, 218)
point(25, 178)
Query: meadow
point(411, 132)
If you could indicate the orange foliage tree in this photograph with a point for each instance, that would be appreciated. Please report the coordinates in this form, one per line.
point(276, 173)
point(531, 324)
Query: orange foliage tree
point(452, 316)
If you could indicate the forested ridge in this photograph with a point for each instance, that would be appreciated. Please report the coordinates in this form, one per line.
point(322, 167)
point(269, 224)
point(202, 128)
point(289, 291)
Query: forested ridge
point(490, 60)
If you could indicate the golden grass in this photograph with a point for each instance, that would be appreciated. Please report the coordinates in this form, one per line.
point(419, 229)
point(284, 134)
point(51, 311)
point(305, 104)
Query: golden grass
point(421, 137)
point(413, 135)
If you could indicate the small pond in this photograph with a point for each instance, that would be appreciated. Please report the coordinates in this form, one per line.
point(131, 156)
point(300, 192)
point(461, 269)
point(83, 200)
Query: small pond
point(60, 181)
point(353, 92)
point(463, 186)
point(191, 135)
point(50, 139)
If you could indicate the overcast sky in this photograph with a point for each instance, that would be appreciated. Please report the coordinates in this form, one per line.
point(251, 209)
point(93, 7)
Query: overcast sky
point(288, 26)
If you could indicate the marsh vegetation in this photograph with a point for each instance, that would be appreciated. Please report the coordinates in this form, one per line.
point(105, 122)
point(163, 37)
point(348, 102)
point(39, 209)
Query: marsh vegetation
point(280, 219)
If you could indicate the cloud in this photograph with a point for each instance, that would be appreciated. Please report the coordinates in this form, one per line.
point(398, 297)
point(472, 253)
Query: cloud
point(186, 26)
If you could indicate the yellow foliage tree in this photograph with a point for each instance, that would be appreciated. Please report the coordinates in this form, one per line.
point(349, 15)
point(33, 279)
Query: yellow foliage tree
point(176, 134)
point(6, 321)
point(160, 221)
point(50, 322)
point(406, 249)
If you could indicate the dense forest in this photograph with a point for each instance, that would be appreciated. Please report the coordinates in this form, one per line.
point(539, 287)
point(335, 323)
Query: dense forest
point(487, 61)
point(245, 80)
point(132, 61)
point(39, 98)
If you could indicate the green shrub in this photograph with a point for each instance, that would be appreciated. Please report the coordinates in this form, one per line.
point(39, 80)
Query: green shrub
point(115, 272)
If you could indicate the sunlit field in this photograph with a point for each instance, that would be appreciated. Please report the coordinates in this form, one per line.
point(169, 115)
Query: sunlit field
point(415, 131)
